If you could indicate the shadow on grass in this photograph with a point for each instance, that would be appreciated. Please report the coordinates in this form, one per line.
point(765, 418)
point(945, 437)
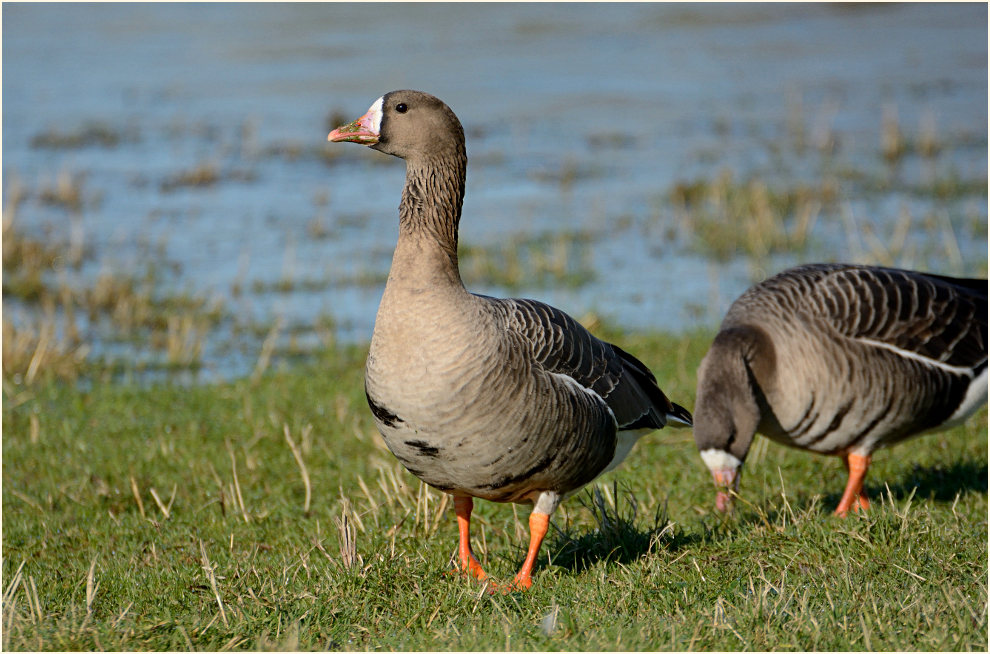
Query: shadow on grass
point(623, 535)
point(619, 535)
point(939, 483)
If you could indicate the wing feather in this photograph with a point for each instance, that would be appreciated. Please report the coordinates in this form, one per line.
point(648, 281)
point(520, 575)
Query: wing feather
point(563, 346)
point(925, 317)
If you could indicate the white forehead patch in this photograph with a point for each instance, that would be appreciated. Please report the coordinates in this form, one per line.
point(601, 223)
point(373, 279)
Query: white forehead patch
point(719, 460)
point(375, 114)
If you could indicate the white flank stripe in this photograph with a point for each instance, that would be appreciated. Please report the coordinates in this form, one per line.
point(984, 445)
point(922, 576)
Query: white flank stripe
point(907, 354)
point(976, 396)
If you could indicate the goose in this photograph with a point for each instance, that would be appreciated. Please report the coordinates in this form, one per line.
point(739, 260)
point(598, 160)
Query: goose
point(842, 360)
point(506, 400)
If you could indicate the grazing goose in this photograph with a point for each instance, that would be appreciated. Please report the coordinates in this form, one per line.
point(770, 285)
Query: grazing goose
point(841, 359)
point(500, 399)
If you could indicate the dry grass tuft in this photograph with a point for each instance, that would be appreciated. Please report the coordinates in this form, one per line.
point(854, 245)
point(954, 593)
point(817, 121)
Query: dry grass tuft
point(728, 218)
point(89, 134)
point(203, 175)
point(45, 339)
point(530, 261)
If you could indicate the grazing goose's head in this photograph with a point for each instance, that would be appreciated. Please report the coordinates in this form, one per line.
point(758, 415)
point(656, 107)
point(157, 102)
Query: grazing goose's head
point(407, 124)
point(726, 412)
point(716, 448)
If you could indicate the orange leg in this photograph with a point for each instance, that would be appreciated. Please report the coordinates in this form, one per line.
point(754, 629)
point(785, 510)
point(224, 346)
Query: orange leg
point(469, 564)
point(538, 525)
point(854, 498)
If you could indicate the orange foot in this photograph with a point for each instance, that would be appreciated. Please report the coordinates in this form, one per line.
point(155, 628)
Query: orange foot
point(523, 581)
point(538, 525)
point(854, 498)
point(469, 564)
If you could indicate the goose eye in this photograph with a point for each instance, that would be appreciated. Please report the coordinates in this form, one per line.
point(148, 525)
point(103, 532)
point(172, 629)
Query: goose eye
point(401, 108)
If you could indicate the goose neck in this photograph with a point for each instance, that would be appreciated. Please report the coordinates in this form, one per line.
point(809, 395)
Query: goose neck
point(432, 199)
point(429, 214)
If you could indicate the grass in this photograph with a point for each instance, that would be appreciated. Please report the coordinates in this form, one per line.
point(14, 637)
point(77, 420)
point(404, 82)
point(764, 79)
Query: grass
point(266, 513)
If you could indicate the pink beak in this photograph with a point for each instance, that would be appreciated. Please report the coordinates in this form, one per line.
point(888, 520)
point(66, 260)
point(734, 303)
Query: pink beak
point(727, 482)
point(360, 131)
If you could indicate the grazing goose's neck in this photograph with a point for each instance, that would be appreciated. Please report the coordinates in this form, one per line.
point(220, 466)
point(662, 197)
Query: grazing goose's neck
point(431, 201)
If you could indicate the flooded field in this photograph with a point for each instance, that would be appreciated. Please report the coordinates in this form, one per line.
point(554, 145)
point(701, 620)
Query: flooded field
point(171, 204)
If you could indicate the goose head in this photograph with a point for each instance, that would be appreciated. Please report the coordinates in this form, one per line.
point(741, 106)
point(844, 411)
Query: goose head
point(727, 412)
point(406, 124)
point(723, 444)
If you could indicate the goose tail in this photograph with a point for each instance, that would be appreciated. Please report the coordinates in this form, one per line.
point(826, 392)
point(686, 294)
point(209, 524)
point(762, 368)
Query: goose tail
point(678, 416)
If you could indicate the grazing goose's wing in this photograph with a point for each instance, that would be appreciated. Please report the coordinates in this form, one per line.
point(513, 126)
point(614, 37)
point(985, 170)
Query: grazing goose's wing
point(562, 346)
point(938, 321)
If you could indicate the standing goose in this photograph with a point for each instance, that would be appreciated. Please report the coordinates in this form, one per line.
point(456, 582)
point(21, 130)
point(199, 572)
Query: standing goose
point(501, 399)
point(841, 359)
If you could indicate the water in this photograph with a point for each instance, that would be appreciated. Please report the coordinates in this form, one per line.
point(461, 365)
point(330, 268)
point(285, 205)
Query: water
point(579, 118)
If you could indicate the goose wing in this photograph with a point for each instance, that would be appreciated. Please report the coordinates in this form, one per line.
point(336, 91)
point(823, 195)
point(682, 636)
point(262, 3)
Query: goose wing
point(939, 321)
point(560, 345)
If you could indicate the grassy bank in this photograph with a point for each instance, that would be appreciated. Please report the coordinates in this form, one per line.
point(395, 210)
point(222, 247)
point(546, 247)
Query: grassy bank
point(268, 514)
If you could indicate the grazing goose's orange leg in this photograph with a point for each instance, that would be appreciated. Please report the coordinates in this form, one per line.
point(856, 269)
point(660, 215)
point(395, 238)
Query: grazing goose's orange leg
point(538, 525)
point(854, 498)
point(469, 564)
